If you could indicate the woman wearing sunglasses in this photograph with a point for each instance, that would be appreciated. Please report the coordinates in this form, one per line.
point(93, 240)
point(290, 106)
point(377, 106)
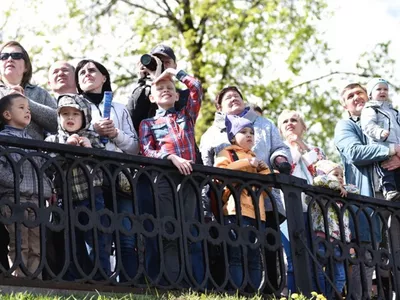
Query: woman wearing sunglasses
point(15, 76)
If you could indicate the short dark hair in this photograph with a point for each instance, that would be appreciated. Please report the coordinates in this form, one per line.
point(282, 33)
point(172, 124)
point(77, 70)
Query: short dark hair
point(221, 94)
point(349, 87)
point(27, 76)
point(5, 104)
point(102, 69)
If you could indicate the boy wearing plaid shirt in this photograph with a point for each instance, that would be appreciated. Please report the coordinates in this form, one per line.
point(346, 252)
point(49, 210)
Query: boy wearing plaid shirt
point(170, 135)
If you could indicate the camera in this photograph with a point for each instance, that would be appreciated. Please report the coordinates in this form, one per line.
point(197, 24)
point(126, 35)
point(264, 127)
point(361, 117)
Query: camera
point(149, 62)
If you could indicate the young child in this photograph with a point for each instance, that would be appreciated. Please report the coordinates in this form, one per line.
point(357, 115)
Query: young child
point(74, 117)
point(239, 156)
point(330, 175)
point(15, 116)
point(380, 122)
point(170, 135)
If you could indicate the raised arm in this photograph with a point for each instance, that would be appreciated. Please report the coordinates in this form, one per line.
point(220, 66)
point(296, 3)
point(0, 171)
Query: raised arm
point(278, 147)
point(43, 108)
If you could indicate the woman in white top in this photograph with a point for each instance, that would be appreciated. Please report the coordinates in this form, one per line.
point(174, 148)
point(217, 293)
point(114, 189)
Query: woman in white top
point(292, 128)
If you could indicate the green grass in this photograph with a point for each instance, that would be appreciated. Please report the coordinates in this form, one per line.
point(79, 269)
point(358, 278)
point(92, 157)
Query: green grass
point(164, 296)
point(167, 296)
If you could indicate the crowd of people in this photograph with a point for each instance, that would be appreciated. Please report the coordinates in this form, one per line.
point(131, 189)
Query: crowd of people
point(159, 122)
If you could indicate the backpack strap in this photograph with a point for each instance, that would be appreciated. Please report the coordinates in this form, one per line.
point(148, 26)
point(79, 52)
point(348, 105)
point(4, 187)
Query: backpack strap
point(233, 154)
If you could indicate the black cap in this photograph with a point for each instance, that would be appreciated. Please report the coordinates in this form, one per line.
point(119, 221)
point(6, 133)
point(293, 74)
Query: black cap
point(163, 50)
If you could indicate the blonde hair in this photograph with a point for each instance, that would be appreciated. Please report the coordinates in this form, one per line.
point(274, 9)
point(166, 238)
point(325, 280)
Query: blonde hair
point(296, 114)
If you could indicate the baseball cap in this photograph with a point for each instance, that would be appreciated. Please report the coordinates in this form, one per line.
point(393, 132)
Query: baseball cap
point(164, 50)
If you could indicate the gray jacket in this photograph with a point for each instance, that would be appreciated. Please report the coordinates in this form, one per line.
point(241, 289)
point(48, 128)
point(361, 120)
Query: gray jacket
point(268, 144)
point(28, 179)
point(43, 110)
point(377, 116)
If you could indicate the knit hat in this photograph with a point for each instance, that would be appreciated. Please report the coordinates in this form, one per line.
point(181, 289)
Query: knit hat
point(324, 167)
point(234, 124)
point(163, 50)
point(373, 83)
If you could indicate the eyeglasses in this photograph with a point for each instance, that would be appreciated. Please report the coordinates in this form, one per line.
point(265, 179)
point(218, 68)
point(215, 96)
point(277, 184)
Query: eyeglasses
point(14, 55)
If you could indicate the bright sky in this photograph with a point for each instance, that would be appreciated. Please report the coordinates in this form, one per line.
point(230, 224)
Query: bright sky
point(357, 26)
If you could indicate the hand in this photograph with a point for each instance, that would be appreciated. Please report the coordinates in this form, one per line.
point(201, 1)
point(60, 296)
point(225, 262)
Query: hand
point(184, 166)
point(343, 192)
point(385, 134)
point(105, 128)
point(392, 163)
point(261, 166)
point(284, 167)
point(17, 89)
point(253, 162)
point(85, 142)
point(73, 140)
point(292, 138)
point(143, 71)
point(168, 74)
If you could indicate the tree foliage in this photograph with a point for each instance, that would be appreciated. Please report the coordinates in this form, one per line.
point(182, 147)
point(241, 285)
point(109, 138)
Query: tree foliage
point(263, 46)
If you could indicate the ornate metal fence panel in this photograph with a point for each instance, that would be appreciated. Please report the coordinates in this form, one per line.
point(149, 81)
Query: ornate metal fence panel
point(90, 219)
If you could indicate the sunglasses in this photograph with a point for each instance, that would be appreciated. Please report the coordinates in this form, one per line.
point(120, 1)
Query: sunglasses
point(14, 55)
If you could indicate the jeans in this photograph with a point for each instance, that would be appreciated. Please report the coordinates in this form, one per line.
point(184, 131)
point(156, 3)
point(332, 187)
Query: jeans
point(290, 275)
point(88, 246)
point(339, 274)
point(147, 206)
point(129, 256)
point(197, 258)
point(253, 255)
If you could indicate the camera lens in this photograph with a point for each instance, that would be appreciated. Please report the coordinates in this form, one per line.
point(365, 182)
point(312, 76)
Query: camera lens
point(145, 59)
point(149, 62)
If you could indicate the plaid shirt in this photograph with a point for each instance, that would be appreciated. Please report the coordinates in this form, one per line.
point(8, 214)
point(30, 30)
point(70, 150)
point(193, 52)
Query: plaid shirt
point(171, 131)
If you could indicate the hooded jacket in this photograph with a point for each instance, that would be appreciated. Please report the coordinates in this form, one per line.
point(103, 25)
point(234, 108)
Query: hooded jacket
point(78, 180)
point(377, 116)
point(267, 145)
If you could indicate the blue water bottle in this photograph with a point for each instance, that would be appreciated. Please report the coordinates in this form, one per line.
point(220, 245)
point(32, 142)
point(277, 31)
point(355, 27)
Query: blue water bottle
point(107, 99)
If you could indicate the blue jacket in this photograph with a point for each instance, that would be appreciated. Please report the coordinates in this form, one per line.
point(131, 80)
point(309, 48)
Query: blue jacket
point(358, 160)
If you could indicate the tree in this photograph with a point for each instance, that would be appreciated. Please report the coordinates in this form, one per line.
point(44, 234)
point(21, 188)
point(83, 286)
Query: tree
point(225, 42)
point(266, 47)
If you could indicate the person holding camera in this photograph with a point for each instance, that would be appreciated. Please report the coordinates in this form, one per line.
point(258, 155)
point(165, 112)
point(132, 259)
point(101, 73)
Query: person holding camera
point(150, 66)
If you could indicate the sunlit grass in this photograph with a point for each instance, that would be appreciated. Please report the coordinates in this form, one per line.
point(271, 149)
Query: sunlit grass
point(161, 296)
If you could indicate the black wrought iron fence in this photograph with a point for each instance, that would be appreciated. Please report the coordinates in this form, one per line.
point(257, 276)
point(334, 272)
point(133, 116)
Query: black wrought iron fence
point(82, 218)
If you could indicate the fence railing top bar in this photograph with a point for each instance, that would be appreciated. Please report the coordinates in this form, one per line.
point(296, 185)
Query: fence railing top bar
point(277, 180)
